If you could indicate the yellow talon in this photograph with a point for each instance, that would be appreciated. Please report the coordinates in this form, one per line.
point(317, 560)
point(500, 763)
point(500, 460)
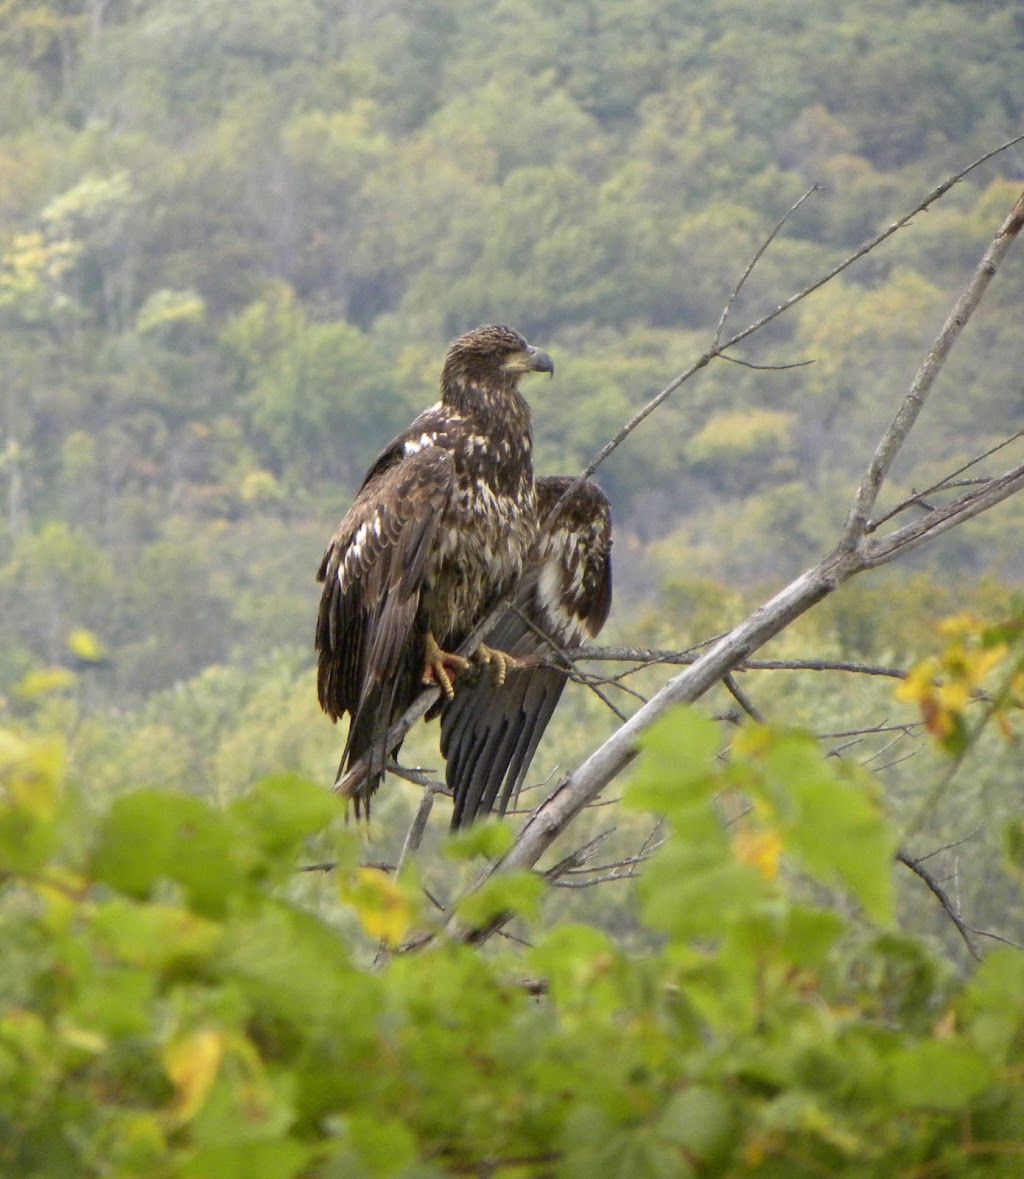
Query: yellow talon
point(500, 662)
point(440, 666)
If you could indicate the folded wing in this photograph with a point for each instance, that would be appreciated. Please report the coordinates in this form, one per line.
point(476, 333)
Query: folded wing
point(490, 734)
point(370, 629)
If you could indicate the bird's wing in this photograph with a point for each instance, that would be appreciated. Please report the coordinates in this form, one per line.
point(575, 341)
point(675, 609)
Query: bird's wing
point(368, 639)
point(489, 734)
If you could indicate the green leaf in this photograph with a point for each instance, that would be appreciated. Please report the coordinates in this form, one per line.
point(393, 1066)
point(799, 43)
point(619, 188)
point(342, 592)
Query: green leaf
point(490, 839)
point(384, 1143)
point(116, 1001)
point(689, 899)
point(153, 834)
point(296, 966)
point(702, 1121)
point(993, 1006)
point(517, 893)
point(279, 1158)
point(584, 969)
point(156, 936)
point(596, 1148)
point(678, 761)
point(939, 1075)
point(829, 815)
point(280, 813)
point(136, 839)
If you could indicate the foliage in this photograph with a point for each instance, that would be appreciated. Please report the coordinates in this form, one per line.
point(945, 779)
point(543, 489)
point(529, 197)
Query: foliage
point(980, 661)
point(176, 1001)
point(232, 246)
point(233, 243)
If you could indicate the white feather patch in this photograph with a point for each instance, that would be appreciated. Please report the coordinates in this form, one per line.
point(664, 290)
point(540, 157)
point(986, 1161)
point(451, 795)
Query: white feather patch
point(415, 445)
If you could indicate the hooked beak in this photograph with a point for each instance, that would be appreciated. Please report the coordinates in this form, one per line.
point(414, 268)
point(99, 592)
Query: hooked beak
point(540, 361)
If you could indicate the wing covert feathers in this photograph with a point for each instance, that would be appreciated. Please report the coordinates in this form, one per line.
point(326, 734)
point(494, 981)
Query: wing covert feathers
point(489, 735)
point(369, 633)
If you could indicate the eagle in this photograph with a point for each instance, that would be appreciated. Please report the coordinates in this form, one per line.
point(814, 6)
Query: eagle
point(439, 532)
point(489, 733)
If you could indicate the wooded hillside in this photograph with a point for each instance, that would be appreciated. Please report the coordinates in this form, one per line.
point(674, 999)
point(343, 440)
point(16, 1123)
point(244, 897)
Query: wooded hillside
point(236, 239)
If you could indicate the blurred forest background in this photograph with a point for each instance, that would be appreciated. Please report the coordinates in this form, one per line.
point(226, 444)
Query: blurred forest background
point(235, 240)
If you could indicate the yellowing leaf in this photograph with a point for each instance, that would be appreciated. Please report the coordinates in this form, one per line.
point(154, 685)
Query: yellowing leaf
point(85, 645)
point(920, 682)
point(953, 697)
point(192, 1063)
point(959, 626)
point(759, 849)
point(44, 681)
point(384, 907)
point(30, 773)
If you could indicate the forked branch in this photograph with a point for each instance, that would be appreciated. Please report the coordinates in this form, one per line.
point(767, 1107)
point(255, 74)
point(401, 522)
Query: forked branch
point(855, 552)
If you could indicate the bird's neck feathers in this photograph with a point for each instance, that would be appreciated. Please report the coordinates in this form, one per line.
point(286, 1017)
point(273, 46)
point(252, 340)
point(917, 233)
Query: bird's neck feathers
point(492, 405)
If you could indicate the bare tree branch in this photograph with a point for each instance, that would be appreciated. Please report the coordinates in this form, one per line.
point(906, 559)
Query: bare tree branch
point(742, 699)
point(758, 255)
point(945, 484)
point(854, 553)
point(892, 440)
point(940, 895)
point(649, 657)
point(718, 347)
point(349, 782)
point(414, 836)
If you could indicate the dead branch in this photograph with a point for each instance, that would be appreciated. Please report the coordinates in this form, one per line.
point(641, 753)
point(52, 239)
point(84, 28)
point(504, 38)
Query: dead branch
point(649, 657)
point(940, 895)
point(758, 255)
point(892, 440)
point(414, 836)
point(946, 483)
point(855, 552)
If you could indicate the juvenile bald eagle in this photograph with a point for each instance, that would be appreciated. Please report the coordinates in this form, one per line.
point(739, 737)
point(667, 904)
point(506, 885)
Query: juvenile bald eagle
point(489, 734)
point(439, 531)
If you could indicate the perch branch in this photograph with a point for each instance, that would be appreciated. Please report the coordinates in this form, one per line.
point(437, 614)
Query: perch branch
point(851, 555)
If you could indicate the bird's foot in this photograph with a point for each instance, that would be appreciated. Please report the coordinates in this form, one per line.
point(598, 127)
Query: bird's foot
point(440, 667)
point(500, 662)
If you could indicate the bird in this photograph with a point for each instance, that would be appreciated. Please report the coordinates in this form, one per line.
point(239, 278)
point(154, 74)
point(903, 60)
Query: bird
point(439, 532)
point(489, 734)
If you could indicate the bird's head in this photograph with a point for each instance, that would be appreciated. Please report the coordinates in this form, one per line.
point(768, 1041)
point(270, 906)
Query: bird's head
point(491, 357)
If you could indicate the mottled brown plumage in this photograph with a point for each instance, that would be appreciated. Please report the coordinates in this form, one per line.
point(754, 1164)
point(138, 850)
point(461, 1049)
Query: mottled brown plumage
point(439, 532)
point(489, 734)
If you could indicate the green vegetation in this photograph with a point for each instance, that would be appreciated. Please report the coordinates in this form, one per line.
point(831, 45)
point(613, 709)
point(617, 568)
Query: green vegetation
point(233, 246)
point(174, 1006)
point(234, 241)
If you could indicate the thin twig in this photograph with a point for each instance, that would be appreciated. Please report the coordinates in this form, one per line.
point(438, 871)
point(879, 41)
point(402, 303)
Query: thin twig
point(590, 882)
point(852, 555)
point(945, 483)
point(892, 440)
point(717, 348)
point(956, 843)
point(576, 859)
point(758, 255)
point(414, 836)
point(742, 699)
point(774, 368)
point(572, 670)
point(940, 895)
point(648, 657)
point(998, 938)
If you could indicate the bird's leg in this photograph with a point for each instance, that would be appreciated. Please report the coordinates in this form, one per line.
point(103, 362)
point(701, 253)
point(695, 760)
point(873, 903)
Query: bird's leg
point(440, 666)
point(501, 662)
